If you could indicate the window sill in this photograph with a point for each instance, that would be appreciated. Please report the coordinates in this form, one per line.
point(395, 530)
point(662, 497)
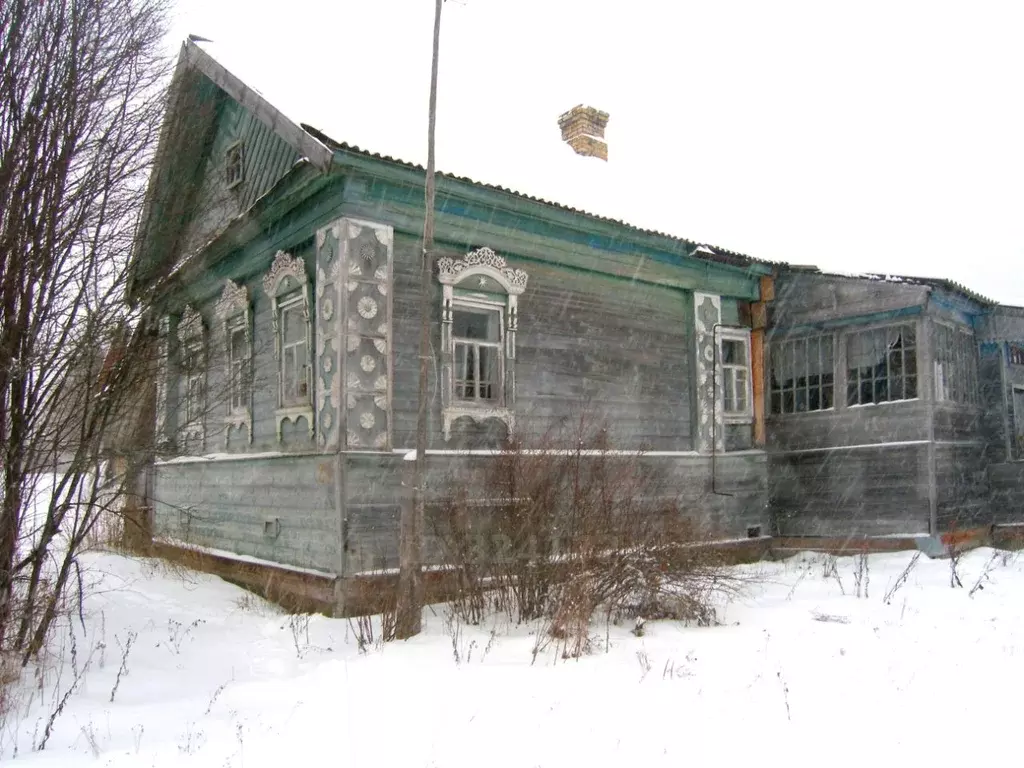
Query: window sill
point(293, 413)
point(478, 413)
point(238, 419)
point(746, 418)
point(802, 414)
point(884, 403)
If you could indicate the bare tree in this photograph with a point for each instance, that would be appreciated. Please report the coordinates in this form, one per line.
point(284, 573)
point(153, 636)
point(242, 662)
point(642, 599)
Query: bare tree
point(80, 108)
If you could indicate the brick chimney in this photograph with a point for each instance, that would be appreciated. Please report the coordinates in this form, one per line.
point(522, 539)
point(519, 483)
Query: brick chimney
point(583, 130)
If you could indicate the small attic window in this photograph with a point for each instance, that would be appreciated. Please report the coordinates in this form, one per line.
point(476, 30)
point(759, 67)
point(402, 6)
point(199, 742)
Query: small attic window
point(234, 166)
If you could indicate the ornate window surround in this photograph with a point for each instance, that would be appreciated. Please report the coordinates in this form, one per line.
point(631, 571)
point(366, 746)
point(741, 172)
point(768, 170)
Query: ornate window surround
point(191, 334)
point(232, 308)
point(286, 275)
point(483, 264)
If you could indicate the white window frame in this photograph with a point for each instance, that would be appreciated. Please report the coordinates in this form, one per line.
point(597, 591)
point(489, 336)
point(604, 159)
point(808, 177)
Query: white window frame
point(192, 362)
point(234, 313)
point(726, 372)
point(480, 307)
point(484, 281)
point(287, 285)
point(195, 380)
point(296, 303)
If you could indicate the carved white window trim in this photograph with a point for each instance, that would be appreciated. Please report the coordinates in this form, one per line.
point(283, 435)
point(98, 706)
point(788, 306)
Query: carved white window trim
point(287, 275)
point(233, 309)
point(484, 265)
point(191, 337)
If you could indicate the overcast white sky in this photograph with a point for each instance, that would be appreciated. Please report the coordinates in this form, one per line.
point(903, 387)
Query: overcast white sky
point(869, 136)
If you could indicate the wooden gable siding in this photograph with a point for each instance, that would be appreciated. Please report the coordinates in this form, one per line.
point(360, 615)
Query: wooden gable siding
point(266, 159)
point(809, 299)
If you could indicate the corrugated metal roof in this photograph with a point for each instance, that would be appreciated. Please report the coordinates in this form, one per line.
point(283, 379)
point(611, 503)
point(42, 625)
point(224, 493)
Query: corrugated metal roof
point(933, 282)
point(697, 250)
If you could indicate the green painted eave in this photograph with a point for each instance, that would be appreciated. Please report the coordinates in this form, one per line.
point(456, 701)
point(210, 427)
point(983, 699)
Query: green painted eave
point(500, 211)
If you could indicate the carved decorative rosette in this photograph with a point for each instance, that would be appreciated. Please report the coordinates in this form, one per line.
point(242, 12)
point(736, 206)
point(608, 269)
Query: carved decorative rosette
point(364, 323)
point(710, 403)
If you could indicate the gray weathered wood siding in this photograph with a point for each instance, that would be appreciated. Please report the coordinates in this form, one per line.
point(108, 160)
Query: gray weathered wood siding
point(621, 351)
point(867, 491)
point(275, 508)
point(374, 493)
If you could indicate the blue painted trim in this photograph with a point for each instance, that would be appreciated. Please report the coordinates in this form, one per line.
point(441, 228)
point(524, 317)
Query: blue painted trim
point(844, 322)
point(956, 308)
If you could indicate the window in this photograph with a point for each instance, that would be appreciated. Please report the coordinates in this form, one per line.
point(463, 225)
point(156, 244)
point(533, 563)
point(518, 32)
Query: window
point(476, 335)
point(287, 285)
point(192, 368)
point(1016, 352)
point(956, 366)
point(234, 165)
point(238, 365)
point(479, 322)
point(734, 357)
point(233, 310)
point(802, 375)
point(881, 365)
point(294, 363)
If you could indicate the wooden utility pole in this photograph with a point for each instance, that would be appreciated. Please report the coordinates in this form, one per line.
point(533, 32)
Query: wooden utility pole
point(410, 573)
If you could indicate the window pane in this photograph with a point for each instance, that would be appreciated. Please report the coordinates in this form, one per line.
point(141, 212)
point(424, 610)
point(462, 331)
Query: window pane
point(488, 373)
point(741, 390)
point(728, 392)
point(826, 397)
point(480, 325)
point(734, 352)
point(293, 324)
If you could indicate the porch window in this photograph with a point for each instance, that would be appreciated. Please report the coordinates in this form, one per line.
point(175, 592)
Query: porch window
point(1016, 353)
point(802, 375)
point(476, 335)
point(734, 357)
point(956, 365)
point(881, 365)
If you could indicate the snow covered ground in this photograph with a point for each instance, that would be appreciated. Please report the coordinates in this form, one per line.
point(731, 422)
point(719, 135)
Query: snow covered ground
point(798, 672)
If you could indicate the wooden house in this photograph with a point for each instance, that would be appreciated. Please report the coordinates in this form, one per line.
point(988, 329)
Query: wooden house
point(285, 268)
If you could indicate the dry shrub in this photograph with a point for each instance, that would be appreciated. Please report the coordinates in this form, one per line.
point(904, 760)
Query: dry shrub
point(564, 528)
